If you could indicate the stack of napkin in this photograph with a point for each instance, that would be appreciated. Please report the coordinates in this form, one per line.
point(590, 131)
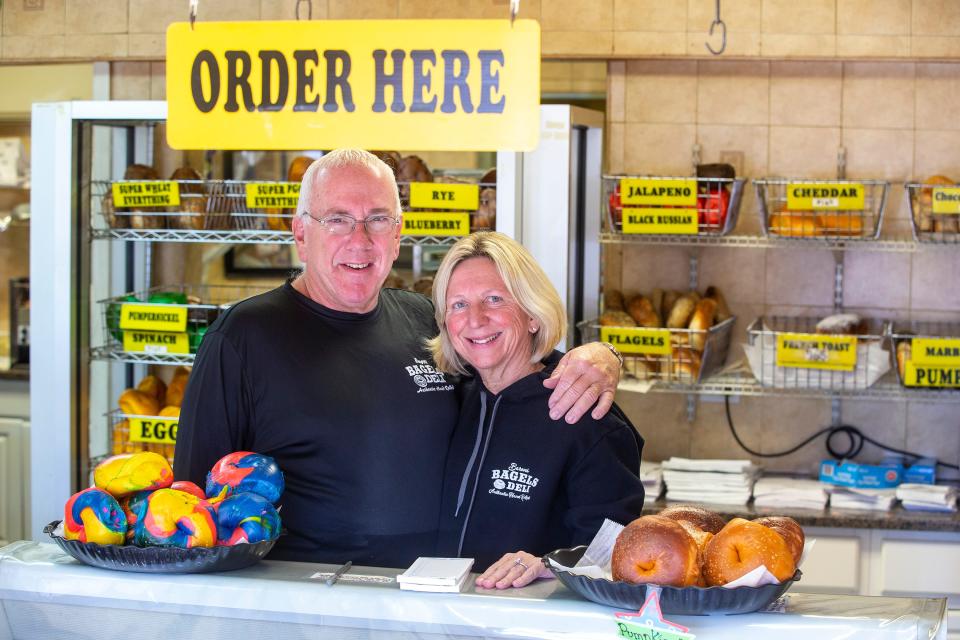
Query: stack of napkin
point(801, 493)
point(651, 475)
point(436, 574)
point(853, 498)
point(927, 497)
point(714, 481)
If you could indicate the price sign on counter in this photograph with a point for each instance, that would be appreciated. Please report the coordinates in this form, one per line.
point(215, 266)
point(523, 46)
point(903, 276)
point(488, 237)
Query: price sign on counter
point(645, 341)
point(660, 221)
point(156, 430)
point(438, 195)
point(824, 196)
point(419, 223)
point(815, 351)
point(934, 362)
point(273, 195)
point(156, 193)
point(155, 342)
point(153, 317)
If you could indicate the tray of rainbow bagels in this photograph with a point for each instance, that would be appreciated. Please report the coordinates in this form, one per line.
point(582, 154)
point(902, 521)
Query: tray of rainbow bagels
point(701, 563)
point(137, 518)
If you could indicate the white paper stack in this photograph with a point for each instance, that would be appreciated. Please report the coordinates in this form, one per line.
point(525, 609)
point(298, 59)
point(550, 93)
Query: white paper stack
point(436, 574)
point(927, 497)
point(870, 499)
point(651, 475)
point(798, 493)
point(714, 481)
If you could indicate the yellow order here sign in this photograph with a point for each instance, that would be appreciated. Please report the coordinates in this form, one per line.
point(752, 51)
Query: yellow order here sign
point(646, 341)
point(153, 317)
point(822, 196)
point(660, 220)
point(471, 85)
point(815, 351)
point(136, 341)
point(153, 193)
point(659, 192)
point(438, 195)
point(159, 430)
point(435, 224)
point(272, 195)
point(946, 199)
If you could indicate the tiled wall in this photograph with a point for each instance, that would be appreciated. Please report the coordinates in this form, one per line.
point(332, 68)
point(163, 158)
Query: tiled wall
point(132, 29)
point(896, 121)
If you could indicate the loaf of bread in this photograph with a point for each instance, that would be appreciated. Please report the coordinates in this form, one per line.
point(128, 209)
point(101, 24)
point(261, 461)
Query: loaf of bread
point(612, 300)
point(654, 549)
point(742, 546)
point(684, 364)
point(722, 311)
point(155, 387)
point(177, 386)
point(701, 321)
point(681, 311)
point(138, 403)
point(133, 217)
point(391, 159)
point(616, 319)
point(193, 201)
point(641, 310)
point(904, 348)
point(842, 324)
point(848, 223)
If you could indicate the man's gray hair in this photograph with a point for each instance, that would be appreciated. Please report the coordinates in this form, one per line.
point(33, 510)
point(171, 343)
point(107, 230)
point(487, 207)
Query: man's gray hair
point(337, 159)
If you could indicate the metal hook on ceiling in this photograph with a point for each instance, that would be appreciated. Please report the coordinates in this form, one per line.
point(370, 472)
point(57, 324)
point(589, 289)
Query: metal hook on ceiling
point(193, 12)
point(296, 9)
point(514, 9)
point(717, 22)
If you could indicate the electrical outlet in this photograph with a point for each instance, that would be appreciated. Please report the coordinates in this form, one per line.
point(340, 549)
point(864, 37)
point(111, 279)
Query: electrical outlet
point(733, 158)
point(33, 5)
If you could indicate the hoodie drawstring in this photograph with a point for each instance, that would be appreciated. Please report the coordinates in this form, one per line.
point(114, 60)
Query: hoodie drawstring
point(476, 483)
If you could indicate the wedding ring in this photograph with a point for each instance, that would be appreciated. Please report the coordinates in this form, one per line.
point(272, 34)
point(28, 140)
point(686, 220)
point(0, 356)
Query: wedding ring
point(521, 563)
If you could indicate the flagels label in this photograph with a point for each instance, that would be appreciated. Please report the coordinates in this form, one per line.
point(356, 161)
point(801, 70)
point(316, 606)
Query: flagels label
point(272, 195)
point(645, 341)
point(823, 196)
point(676, 192)
point(435, 224)
point(814, 351)
point(153, 317)
point(660, 221)
point(946, 199)
point(159, 430)
point(156, 193)
point(155, 342)
point(437, 195)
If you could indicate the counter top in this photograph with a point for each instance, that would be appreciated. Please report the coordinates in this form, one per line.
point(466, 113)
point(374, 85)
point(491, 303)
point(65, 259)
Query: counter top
point(897, 518)
point(45, 593)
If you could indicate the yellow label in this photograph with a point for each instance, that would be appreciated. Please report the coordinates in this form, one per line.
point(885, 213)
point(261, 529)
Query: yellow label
point(660, 221)
point(833, 196)
point(136, 341)
point(421, 223)
point(153, 430)
point(153, 317)
point(437, 195)
point(918, 375)
point(646, 341)
point(272, 195)
point(682, 193)
point(946, 199)
point(815, 351)
point(466, 85)
point(935, 351)
point(156, 193)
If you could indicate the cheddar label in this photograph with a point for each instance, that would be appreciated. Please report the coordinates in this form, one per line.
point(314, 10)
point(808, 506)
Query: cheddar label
point(815, 351)
point(136, 341)
point(935, 351)
point(153, 317)
point(648, 221)
point(917, 375)
point(839, 196)
point(158, 430)
point(946, 199)
point(669, 192)
point(156, 193)
point(272, 195)
point(630, 340)
point(435, 195)
point(435, 224)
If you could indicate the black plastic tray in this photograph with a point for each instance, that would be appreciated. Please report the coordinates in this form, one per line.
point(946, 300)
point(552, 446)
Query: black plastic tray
point(161, 559)
point(673, 600)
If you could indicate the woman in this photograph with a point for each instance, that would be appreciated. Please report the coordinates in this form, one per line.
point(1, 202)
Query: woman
point(513, 480)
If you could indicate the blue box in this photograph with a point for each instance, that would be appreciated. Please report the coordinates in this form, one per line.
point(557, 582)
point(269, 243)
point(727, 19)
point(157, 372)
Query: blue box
point(923, 471)
point(845, 473)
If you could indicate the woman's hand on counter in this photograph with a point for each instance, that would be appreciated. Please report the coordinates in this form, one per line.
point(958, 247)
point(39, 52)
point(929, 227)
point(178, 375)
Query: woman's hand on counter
point(513, 570)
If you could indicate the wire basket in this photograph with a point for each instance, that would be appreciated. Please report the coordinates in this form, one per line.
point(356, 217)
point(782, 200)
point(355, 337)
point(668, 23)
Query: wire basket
point(942, 371)
point(150, 431)
point(763, 338)
point(201, 304)
point(204, 205)
point(926, 221)
point(684, 364)
point(717, 202)
point(812, 210)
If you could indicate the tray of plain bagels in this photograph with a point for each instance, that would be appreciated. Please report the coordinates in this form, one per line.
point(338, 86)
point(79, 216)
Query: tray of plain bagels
point(691, 554)
point(821, 210)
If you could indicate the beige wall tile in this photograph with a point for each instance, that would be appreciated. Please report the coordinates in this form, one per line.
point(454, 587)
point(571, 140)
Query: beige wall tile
point(277, 10)
point(787, 422)
point(147, 45)
point(938, 85)
point(885, 422)
point(751, 140)
point(936, 18)
point(577, 15)
point(130, 81)
point(935, 280)
point(739, 43)
point(934, 430)
point(614, 147)
point(799, 277)
point(804, 152)
point(739, 274)
point(232, 10)
point(935, 46)
point(936, 153)
point(18, 21)
point(883, 154)
point(101, 46)
point(456, 9)
point(880, 17)
point(710, 435)
point(569, 44)
point(790, 16)
point(659, 149)
point(149, 16)
point(742, 16)
point(661, 91)
point(647, 268)
point(777, 45)
point(363, 9)
point(616, 90)
point(749, 222)
point(158, 81)
point(649, 15)
point(873, 46)
point(23, 48)
point(878, 94)
point(96, 16)
point(805, 93)
point(661, 420)
point(876, 279)
point(733, 92)
point(646, 43)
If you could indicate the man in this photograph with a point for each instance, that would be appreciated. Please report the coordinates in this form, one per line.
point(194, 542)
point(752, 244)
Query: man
point(329, 375)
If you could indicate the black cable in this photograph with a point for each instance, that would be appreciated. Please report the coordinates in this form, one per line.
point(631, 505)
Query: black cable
point(855, 437)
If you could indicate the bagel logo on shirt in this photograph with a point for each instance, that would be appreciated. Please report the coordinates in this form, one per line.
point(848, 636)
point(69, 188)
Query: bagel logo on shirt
point(514, 482)
point(426, 377)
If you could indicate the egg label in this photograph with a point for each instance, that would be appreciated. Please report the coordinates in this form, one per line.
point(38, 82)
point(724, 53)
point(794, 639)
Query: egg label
point(660, 221)
point(272, 195)
point(825, 196)
point(155, 342)
point(153, 317)
point(156, 430)
point(946, 199)
point(815, 351)
point(155, 193)
point(435, 224)
point(645, 341)
point(437, 195)
point(663, 192)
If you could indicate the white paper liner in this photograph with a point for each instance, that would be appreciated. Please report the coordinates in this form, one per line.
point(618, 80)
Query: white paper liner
point(872, 362)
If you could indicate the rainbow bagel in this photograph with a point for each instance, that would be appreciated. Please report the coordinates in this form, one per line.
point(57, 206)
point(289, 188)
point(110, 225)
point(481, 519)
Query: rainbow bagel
point(176, 519)
point(93, 515)
point(246, 518)
point(188, 487)
point(131, 472)
point(134, 507)
point(245, 471)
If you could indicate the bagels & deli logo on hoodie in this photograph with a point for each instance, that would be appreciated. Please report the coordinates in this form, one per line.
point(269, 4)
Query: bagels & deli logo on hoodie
point(426, 377)
point(514, 482)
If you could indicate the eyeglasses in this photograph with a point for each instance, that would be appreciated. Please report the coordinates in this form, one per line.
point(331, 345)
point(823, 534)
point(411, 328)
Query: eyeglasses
point(343, 225)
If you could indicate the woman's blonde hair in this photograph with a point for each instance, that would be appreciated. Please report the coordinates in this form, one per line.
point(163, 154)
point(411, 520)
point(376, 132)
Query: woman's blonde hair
point(523, 278)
